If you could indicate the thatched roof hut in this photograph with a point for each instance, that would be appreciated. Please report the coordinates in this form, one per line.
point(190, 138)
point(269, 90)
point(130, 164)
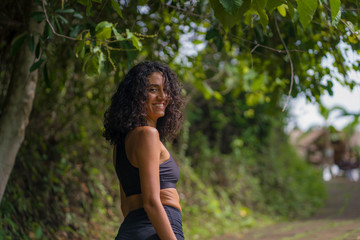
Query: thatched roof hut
point(317, 148)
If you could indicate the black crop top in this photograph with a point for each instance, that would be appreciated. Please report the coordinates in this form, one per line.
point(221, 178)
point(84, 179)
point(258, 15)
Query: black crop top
point(129, 175)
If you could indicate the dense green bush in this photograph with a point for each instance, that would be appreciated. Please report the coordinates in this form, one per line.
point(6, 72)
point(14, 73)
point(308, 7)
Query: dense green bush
point(290, 186)
point(245, 162)
point(273, 180)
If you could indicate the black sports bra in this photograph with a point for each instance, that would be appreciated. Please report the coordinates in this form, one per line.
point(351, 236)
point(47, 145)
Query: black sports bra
point(129, 175)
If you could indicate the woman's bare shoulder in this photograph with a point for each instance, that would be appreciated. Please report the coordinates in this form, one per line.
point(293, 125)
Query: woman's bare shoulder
point(143, 134)
point(140, 143)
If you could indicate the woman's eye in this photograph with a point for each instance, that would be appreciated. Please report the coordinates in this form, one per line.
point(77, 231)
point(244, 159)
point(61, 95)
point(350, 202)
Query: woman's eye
point(152, 90)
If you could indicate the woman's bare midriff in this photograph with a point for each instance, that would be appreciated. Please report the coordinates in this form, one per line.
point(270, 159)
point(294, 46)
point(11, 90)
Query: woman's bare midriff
point(168, 196)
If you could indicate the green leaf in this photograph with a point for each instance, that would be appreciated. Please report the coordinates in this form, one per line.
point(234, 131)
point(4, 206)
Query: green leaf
point(231, 6)
point(353, 38)
point(264, 19)
point(337, 19)
point(211, 33)
point(17, 42)
point(101, 60)
point(291, 11)
point(115, 5)
point(244, 8)
point(93, 65)
point(80, 49)
point(36, 65)
point(135, 41)
point(259, 5)
point(226, 19)
point(38, 16)
point(78, 15)
point(329, 87)
point(103, 30)
point(272, 4)
point(86, 59)
point(335, 9)
point(282, 10)
point(64, 20)
point(335, 12)
point(48, 33)
point(86, 3)
point(306, 9)
point(117, 35)
point(58, 25)
point(70, 10)
point(197, 42)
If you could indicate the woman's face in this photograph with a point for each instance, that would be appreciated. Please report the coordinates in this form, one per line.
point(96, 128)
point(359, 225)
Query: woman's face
point(157, 99)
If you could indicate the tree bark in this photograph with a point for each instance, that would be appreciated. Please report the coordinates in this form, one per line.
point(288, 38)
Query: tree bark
point(18, 103)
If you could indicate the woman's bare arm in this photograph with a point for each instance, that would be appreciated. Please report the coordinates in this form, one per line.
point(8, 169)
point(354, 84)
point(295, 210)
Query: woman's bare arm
point(146, 149)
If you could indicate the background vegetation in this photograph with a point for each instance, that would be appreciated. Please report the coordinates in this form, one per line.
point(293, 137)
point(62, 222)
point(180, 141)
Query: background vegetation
point(237, 167)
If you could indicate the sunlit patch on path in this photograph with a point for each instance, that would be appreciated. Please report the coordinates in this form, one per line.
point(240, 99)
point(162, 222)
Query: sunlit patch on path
point(339, 219)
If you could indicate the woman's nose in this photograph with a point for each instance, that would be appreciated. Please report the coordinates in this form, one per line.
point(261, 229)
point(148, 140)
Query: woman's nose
point(162, 94)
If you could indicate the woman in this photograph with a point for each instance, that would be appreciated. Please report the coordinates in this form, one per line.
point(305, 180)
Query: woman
point(144, 111)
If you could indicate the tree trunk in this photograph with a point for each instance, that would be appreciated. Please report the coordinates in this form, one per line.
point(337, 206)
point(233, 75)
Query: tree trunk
point(18, 103)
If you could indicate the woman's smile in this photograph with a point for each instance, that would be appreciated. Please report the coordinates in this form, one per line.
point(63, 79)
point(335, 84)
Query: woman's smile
point(160, 105)
point(159, 108)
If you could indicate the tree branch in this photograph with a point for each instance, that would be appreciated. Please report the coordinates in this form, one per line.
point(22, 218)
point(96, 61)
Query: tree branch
point(266, 47)
point(252, 50)
point(291, 64)
point(102, 9)
point(190, 13)
point(352, 9)
point(51, 26)
point(347, 25)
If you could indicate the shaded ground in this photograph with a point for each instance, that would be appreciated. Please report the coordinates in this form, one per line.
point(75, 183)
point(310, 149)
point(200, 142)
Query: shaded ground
point(339, 219)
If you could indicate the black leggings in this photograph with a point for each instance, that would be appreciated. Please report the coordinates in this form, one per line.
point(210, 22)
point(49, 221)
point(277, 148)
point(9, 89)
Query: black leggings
point(137, 226)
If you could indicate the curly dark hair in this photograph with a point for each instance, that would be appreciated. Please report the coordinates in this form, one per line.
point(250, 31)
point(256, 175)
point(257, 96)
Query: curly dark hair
point(128, 105)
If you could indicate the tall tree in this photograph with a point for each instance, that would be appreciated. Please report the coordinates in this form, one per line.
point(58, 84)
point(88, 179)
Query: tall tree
point(19, 98)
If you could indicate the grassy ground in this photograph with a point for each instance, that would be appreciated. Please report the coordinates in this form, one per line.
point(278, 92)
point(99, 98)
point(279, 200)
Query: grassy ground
point(339, 219)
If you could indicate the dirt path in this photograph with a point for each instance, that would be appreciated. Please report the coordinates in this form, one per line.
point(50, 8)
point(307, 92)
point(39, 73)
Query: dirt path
point(339, 219)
